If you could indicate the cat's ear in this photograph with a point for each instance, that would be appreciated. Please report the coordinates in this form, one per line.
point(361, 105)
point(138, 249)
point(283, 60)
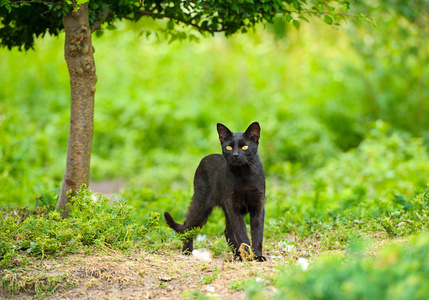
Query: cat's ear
point(224, 132)
point(253, 132)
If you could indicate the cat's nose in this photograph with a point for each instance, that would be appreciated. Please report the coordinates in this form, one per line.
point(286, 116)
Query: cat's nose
point(235, 155)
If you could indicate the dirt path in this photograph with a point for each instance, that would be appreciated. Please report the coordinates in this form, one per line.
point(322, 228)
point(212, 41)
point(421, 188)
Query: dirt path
point(141, 275)
point(107, 186)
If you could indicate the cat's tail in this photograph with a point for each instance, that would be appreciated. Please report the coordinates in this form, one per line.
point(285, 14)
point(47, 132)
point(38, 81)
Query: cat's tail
point(179, 228)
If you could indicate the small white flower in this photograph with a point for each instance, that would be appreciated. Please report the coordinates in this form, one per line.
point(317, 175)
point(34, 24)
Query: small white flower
point(303, 263)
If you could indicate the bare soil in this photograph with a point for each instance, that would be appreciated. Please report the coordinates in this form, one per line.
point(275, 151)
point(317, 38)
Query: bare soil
point(141, 275)
point(107, 186)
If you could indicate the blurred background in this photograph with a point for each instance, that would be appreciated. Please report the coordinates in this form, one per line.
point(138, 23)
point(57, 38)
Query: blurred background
point(343, 112)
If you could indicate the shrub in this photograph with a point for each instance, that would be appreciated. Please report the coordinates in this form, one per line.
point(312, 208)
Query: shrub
point(400, 272)
point(93, 223)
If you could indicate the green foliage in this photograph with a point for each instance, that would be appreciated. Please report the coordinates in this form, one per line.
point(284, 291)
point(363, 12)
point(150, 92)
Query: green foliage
point(349, 197)
point(395, 60)
point(412, 217)
point(255, 289)
point(311, 107)
point(331, 170)
point(400, 272)
point(93, 223)
point(392, 162)
point(17, 157)
point(22, 21)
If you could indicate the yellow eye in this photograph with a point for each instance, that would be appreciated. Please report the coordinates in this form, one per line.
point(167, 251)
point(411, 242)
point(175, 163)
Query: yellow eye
point(244, 147)
point(228, 148)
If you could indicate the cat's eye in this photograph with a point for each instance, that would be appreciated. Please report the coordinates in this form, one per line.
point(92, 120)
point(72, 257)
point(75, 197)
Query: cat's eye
point(245, 147)
point(228, 148)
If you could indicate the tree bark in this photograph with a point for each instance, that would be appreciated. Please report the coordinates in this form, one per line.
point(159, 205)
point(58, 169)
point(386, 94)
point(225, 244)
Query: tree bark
point(79, 55)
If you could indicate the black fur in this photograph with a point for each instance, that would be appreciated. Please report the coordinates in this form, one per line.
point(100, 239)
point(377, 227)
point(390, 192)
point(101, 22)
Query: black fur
point(234, 181)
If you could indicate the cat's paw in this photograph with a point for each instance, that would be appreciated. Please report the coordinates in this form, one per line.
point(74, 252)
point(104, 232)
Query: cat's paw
point(260, 258)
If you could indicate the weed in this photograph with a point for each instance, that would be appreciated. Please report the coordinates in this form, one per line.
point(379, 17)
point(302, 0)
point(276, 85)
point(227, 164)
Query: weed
point(210, 277)
point(220, 247)
point(237, 285)
point(246, 252)
point(42, 284)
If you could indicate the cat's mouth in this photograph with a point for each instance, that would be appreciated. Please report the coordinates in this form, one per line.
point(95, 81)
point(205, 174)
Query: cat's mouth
point(236, 162)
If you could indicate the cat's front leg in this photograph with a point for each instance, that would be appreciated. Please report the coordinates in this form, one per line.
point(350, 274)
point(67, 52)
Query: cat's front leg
point(235, 231)
point(257, 232)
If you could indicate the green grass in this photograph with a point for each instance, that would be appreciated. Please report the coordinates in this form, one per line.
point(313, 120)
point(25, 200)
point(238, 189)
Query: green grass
point(42, 284)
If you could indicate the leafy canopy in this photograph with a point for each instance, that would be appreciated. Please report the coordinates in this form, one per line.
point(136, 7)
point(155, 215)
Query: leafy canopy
point(23, 21)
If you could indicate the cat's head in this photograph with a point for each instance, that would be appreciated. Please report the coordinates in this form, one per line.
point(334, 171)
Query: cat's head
point(239, 148)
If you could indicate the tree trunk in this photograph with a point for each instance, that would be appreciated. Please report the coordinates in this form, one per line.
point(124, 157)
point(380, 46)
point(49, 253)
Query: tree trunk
point(79, 55)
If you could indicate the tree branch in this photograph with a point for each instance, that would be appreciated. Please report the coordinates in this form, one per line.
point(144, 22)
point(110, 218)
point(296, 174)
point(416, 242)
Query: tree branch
point(104, 14)
point(162, 16)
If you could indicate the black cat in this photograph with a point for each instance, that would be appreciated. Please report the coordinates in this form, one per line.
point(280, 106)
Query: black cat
point(234, 181)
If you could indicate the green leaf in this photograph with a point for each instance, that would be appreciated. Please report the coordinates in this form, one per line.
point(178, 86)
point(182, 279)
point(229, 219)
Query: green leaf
point(296, 24)
point(328, 20)
point(234, 6)
point(65, 10)
point(170, 25)
point(304, 18)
